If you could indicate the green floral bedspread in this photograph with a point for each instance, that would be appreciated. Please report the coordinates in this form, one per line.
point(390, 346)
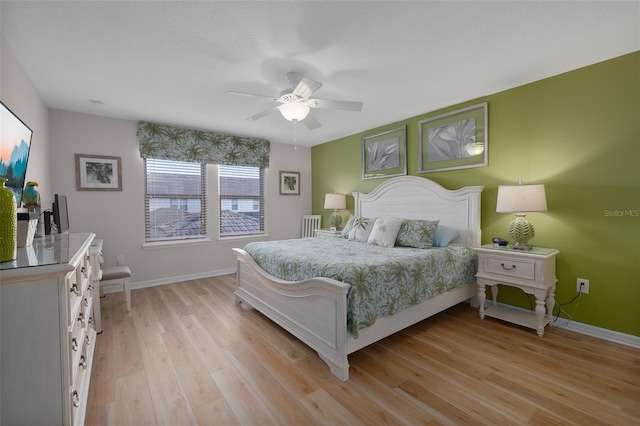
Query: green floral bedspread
point(383, 280)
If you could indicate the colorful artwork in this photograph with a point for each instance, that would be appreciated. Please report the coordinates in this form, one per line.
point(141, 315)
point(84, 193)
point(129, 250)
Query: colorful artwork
point(15, 144)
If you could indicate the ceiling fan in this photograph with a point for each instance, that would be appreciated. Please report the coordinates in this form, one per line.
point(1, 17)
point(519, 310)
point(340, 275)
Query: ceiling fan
point(296, 104)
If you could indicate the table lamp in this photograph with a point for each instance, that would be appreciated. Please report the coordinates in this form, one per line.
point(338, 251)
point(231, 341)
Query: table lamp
point(335, 202)
point(521, 199)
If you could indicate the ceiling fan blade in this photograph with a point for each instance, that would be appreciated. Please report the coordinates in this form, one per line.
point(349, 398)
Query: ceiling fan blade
point(263, 114)
point(311, 121)
point(330, 104)
point(253, 95)
point(306, 87)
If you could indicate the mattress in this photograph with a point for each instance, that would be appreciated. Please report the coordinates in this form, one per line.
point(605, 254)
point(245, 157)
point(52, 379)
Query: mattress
point(383, 280)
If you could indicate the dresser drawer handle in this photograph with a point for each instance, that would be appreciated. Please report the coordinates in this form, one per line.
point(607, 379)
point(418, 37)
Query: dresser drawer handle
point(508, 269)
point(74, 289)
point(74, 344)
point(83, 362)
point(84, 271)
point(91, 320)
point(76, 399)
point(81, 317)
point(87, 340)
point(86, 302)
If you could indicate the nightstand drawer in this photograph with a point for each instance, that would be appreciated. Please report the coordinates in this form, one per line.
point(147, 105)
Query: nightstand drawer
point(521, 268)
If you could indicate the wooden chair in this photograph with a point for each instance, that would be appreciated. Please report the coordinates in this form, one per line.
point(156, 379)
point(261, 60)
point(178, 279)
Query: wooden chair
point(309, 223)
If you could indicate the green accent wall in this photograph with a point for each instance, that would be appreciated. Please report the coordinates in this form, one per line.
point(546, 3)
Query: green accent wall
point(579, 134)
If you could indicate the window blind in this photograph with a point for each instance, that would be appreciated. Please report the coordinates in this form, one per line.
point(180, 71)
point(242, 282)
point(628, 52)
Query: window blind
point(175, 200)
point(242, 200)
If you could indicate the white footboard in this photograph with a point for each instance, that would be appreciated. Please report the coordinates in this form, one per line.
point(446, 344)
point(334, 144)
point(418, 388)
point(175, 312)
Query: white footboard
point(318, 317)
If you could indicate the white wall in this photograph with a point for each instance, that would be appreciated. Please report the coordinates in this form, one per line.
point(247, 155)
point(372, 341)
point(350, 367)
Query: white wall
point(118, 217)
point(19, 95)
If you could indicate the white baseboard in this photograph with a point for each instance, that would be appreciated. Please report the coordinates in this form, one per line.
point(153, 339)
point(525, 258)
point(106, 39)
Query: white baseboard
point(604, 334)
point(591, 330)
point(171, 280)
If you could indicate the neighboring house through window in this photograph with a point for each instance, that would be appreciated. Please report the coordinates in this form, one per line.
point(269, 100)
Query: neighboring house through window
point(175, 200)
point(242, 201)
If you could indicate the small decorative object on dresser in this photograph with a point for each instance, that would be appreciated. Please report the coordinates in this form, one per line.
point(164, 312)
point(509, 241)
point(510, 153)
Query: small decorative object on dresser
point(8, 223)
point(533, 271)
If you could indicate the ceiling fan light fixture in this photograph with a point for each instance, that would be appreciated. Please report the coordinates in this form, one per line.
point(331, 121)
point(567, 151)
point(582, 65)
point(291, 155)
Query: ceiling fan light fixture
point(294, 111)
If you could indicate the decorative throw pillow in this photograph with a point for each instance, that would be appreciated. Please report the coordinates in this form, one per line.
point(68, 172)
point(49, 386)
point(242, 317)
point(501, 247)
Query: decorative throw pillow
point(348, 227)
point(444, 235)
point(417, 233)
point(362, 227)
point(384, 232)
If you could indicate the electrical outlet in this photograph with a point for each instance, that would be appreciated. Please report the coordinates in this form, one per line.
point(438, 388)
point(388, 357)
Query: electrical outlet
point(581, 282)
point(120, 259)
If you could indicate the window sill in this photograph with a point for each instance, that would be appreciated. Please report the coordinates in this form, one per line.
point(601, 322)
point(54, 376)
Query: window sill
point(176, 243)
point(243, 237)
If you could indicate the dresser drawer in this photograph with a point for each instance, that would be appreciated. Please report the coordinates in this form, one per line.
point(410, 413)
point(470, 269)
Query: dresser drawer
point(76, 346)
point(520, 268)
point(74, 291)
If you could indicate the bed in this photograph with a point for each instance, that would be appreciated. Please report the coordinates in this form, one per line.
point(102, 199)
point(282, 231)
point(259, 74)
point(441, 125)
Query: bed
point(315, 310)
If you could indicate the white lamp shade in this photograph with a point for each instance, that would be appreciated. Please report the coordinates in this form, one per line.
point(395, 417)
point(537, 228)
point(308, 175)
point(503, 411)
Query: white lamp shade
point(294, 111)
point(521, 198)
point(335, 201)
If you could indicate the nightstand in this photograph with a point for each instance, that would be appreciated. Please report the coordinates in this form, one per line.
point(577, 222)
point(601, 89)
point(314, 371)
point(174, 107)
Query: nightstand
point(533, 271)
point(326, 232)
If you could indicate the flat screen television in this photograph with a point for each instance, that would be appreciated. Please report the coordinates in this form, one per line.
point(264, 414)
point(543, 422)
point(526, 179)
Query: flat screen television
point(15, 144)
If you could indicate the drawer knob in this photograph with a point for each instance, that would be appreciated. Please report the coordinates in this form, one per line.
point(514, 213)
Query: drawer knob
point(81, 317)
point(83, 362)
point(76, 399)
point(87, 340)
point(74, 344)
point(74, 289)
point(508, 269)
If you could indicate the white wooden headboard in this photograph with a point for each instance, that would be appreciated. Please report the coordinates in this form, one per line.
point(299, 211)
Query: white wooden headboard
point(412, 197)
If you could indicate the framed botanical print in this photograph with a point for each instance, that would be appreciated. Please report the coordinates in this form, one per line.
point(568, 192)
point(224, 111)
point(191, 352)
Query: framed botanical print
point(98, 173)
point(384, 154)
point(289, 183)
point(456, 140)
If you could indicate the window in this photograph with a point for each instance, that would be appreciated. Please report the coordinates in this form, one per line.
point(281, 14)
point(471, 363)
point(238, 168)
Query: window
point(242, 203)
point(175, 200)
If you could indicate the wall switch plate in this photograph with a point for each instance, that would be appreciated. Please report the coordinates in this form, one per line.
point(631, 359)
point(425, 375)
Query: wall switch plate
point(120, 259)
point(581, 282)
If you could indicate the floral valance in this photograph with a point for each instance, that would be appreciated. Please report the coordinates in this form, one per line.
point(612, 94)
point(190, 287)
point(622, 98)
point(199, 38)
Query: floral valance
point(178, 144)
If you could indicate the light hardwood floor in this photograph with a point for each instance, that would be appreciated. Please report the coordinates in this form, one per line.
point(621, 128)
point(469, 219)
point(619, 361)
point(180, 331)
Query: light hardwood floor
point(188, 354)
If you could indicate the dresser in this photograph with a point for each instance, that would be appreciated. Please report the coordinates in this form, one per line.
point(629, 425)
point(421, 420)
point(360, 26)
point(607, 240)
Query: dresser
point(48, 331)
point(533, 271)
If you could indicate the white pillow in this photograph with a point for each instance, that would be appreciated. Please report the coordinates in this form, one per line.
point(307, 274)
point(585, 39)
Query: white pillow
point(384, 232)
point(362, 227)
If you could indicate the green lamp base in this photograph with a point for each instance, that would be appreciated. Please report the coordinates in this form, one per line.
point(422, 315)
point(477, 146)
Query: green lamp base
point(335, 220)
point(521, 231)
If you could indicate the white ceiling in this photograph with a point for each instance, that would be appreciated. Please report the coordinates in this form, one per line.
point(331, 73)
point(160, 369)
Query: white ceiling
point(171, 62)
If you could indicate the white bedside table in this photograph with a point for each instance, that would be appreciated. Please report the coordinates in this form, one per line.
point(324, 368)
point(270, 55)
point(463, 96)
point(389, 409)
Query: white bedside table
point(533, 271)
point(326, 232)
